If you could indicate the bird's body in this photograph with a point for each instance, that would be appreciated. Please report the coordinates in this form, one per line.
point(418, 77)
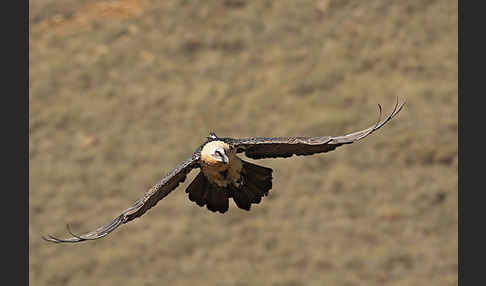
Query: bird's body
point(224, 175)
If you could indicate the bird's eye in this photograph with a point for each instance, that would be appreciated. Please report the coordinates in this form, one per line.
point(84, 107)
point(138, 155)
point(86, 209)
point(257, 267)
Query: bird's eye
point(218, 153)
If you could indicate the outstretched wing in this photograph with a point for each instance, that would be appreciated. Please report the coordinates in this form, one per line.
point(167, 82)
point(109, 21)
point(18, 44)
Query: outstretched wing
point(264, 147)
point(150, 199)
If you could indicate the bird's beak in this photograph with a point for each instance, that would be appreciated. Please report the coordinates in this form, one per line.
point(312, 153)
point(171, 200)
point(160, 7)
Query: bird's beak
point(225, 159)
point(222, 157)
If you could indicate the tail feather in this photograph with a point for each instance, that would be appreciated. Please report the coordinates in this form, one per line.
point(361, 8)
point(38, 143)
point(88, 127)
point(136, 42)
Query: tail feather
point(257, 182)
point(254, 195)
point(241, 199)
point(198, 190)
point(203, 193)
point(262, 186)
point(217, 200)
point(258, 177)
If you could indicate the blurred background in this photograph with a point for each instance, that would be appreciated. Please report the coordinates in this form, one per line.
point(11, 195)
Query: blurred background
point(122, 91)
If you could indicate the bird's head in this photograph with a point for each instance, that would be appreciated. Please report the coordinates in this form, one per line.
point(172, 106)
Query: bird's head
point(215, 153)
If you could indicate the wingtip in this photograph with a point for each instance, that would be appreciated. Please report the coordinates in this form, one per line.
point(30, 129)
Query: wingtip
point(401, 105)
point(53, 239)
point(380, 113)
point(396, 109)
point(50, 238)
point(73, 234)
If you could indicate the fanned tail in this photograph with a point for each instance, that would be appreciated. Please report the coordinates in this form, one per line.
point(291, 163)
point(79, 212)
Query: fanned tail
point(256, 182)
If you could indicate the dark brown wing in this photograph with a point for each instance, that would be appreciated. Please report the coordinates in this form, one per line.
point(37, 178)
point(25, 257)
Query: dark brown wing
point(263, 147)
point(150, 199)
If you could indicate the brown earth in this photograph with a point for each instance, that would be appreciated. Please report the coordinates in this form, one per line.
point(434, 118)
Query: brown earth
point(122, 91)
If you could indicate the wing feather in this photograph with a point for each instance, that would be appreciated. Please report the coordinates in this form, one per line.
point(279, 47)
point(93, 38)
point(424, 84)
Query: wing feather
point(274, 147)
point(150, 199)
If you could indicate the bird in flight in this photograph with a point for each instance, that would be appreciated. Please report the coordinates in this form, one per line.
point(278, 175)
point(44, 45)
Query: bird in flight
point(223, 175)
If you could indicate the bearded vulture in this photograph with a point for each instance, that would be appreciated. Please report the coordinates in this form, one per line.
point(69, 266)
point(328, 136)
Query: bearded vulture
point(223, 175)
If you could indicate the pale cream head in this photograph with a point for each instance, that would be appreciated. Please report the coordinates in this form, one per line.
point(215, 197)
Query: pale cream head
point(215, 153)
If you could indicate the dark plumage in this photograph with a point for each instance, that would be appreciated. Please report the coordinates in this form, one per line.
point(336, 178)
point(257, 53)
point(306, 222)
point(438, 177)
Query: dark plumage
point(256, 183)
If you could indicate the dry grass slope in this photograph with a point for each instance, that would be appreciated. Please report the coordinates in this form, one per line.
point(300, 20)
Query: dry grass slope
point(121, 91)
